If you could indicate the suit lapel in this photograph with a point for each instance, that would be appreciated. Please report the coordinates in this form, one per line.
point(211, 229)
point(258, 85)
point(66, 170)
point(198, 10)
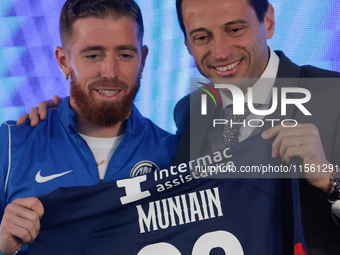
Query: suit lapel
point(200, 125)
point(287, 76)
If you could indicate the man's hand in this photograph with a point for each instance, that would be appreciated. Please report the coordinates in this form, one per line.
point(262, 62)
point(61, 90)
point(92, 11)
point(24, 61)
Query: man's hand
point(303, 141)
point(39, 113)
point(20, 224)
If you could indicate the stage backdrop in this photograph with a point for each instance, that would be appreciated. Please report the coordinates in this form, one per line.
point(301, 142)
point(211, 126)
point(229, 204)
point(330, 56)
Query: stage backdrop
point(306, 30)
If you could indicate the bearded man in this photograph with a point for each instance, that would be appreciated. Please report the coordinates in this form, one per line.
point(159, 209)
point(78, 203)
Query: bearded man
point(96, 135)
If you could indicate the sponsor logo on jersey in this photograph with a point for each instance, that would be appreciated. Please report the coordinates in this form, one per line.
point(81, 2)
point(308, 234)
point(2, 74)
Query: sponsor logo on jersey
point(143, 167)
point(42, 179)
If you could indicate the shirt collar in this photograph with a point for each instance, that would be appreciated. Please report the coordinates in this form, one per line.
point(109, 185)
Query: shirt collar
point(262, 87)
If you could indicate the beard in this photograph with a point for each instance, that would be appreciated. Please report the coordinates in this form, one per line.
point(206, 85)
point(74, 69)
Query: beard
point(103, 114)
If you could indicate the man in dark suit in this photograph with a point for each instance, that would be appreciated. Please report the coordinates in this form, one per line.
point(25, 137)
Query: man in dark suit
point(228, 39)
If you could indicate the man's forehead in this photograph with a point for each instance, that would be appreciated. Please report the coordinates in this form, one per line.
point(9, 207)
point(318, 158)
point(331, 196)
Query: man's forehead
point(213, 3)
point(104, 23)
point(198, 13)
point(105, 31)
point(214, 7)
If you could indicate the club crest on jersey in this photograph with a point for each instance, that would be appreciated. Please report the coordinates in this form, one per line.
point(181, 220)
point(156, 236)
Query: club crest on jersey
point(143, 167)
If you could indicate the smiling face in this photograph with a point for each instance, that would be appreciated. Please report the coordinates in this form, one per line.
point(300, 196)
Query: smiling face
point(104, 60)
point(226, 38)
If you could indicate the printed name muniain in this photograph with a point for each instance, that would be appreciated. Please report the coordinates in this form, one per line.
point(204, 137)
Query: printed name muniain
point(180, 210)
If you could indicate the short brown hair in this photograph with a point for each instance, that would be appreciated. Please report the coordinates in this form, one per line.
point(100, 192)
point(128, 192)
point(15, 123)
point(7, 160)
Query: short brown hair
point(78, 9)
point(260, 7)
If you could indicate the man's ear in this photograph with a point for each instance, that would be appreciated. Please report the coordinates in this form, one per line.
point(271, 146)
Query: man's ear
point(269, 22)
point(63, 61)
point(145, 51)
point(188, 46)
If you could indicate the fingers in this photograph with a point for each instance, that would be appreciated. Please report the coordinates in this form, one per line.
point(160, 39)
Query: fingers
point(22, 119)
point(31, 203)
point(42, 109)
point(273, 131)
point(34, 116)
point(289, 146)
point(56, 100)
point(44, 105)
point(20, 223)
point(301, 140)
point(303, 147)
point(39, 113)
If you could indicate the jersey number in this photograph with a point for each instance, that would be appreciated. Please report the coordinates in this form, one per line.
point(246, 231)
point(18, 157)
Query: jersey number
point(217, 239)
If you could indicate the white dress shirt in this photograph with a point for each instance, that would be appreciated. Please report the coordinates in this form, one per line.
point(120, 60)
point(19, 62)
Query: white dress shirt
point(262, 93)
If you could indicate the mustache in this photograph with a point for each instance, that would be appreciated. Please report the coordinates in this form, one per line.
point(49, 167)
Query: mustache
point(111, 83)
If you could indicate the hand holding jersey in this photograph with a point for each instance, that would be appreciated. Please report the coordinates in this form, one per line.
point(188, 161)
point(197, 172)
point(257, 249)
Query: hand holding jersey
point(302, 141)
point(20, 224)
point(183, 209)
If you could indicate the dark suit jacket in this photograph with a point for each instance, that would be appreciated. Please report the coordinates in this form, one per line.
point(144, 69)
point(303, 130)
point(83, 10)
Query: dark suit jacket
point(321, 233)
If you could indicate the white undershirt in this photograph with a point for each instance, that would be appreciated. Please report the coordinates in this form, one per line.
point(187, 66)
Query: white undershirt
point(262, 89)
point(102, 149)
